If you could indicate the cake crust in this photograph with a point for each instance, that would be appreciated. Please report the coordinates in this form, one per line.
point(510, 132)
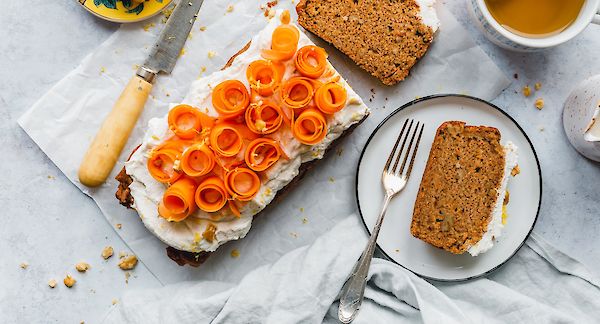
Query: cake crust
point(384, 37)
point(460, 186)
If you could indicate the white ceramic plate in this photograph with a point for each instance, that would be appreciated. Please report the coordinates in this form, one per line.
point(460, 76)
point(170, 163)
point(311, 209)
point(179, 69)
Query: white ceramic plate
point(395, 240)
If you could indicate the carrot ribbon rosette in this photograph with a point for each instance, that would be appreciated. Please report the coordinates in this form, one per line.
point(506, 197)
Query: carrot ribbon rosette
point(161, 164)
point(197, 160)
point(211, 194)
point(265, 76)
point(310, 127)
point(242, 184)
point(284, 43)
point(262, 153)
point(297, 92)
point(331, 98)
point(226, 140)
point(230, 98)
point(264, 117)
point(185, 121)
point(311, 61)
point(178, 201)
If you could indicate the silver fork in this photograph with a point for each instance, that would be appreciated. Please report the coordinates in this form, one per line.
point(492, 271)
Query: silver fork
point(394, 180)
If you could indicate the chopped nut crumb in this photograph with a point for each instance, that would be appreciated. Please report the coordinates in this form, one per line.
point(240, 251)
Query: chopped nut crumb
point(235, 253)
point(122, 254)
point(182, 52)
point(147, 26)
point(115, 301)
point(127, 275)
point(24, 265)
point(539, 103)
point(541, 128)
point(211, 54)
point(69, 281)
point(202, 28)
point(526, 91)
point(229, 8)
point(102, 69)
point(294, 234)
point(107, 252)
point(397, 250)
point(331, 179)
point(128, 262)
point(271, 13)
point(516, 170)
point(51, 177)
point(302, 209)
point(339, 151)
point(119, 226)
point(52, 283)
point(304, 220)
point(537, 86)
point(82, 266)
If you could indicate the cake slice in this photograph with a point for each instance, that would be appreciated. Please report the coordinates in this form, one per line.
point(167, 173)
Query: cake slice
point(384, 37)
point(459, 206)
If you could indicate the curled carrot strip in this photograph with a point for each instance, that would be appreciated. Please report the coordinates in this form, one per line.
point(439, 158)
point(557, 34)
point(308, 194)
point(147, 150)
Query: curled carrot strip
point(211, 194)
point(161, 165)
point(311, 61)
point(284, 43)
point(264, 76)
point(185, 121)
point(264, 117)
point(262, 153)
point(242, 184)
point(197, 160)
point(230, 98)
point(310, 127)
point(331, 97)
point(178, 201)
point(226, 140)
point(297, 92)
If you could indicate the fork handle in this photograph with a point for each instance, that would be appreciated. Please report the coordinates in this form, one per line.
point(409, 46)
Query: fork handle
point(353, 291)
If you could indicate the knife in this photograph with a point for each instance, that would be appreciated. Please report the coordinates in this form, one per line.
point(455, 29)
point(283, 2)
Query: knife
point(106, 147)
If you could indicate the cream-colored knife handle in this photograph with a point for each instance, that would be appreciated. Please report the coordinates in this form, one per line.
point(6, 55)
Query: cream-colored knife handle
point(104, 151)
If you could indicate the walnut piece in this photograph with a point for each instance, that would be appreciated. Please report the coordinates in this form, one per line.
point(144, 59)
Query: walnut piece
point(128, 262)
point(539, 103)
point(107, 252)
point(526, 91)
point(69, 281)
point(52, 283)
point(82, 266)
point(516, 170)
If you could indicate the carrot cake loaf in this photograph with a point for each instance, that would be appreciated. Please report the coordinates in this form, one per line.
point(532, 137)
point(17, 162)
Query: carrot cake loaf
point(462, 196)
point(384, 37)
point(240, 137)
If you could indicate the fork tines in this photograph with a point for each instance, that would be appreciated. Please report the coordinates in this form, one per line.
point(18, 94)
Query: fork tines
point(404, 135)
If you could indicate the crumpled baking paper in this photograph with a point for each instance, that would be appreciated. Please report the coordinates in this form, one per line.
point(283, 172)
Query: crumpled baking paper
point(65, 119)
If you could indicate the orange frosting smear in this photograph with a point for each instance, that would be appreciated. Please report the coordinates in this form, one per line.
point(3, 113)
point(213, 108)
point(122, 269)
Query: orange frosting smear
point(331, 98)
point(211, 194)
point(264, 76)
point(185, 121)
point(262, 153)
point(297, 92)
point(230, 98)
point(284, 43)
point(178, 201)
point(242, 184)
point(264, 117)
point(311, 61)
point(226, 140)
point(197, 160)
point(310, 127)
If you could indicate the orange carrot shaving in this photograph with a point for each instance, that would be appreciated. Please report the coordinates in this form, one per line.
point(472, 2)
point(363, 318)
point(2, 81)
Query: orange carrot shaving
point(311, 61)
point(310, 127)
point(226, 140)
point(234, 208)
point(242, 184)
point(285, 17)
point(262, 153)
point(265, 76)
point(211, 194)
point(161, 165)
point(264, 117)
point(185, 121)
point(284, 43)
point(178, 201)
point(230, 98)
point(197, 160)
point(297, 92)
point(331, 97)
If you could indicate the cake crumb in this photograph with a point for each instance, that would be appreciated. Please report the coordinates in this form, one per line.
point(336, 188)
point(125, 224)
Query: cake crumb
point(516, 170)
point(294, 234)
point(119, 226)
point(51, 177)
point(541, 128)
point(537, 86)
point(127, 276)
point(52, 283)
point(302, 209)
point(82, 267)
point(526, 91)
point(202, 28)
point(69, 281)
point(24, 265)
point(539, 103)
point(203, 69)
point(115, 301)
point(339, 151)
point(397, 250)
point(148, 26)
point(304, 220)
point(182, 52)
point(235, 253)
point(230, 8)
point(128, 262)
point(211, 54)
point(107, 252)
point(102, 69)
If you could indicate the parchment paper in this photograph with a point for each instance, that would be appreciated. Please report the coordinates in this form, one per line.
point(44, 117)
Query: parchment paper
point(65, 119)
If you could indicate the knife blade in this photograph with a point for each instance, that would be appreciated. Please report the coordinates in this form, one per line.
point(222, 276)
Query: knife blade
point(104, 151)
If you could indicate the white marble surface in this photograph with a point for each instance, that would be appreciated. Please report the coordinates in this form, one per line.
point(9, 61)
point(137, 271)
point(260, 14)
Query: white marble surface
point(50, 225)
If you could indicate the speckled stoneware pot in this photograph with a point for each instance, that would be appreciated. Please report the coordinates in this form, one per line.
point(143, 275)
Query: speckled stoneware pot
point(581, 118)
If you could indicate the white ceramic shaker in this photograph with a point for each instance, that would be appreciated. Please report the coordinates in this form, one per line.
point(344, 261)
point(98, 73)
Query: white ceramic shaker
point(581, 118)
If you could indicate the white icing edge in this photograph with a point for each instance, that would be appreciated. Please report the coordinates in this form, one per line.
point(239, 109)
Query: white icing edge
point(428, 13)
point(495, 226)
point(187, 235)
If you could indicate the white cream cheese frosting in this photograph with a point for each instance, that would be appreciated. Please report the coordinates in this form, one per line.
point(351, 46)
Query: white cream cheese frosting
point(428, 14)
point(187, 234)
point(495, 226)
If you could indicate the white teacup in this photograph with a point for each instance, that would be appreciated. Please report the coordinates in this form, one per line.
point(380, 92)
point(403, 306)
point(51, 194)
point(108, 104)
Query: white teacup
point(590, 13)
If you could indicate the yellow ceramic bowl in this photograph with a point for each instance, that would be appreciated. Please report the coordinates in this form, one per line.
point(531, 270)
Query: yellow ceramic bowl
point(124, 11)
